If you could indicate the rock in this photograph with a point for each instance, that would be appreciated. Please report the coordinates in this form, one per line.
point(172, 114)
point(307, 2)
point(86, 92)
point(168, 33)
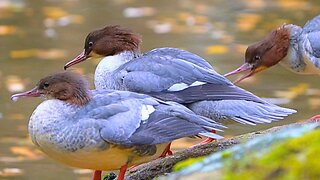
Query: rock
point(290, 153)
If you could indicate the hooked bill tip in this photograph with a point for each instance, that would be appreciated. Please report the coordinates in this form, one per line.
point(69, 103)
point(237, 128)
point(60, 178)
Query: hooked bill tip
point(14, 98)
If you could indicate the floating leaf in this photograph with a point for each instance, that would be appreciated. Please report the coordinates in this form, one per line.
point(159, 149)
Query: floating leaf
point(18, 54)
point(6, 172)
point(7, 159)
point(241, 49)
point(51, 53)
point(17, 116)
point(82, 171)
point(54, 12)
point(217, 49)
point(132, 12)
point(256, 4)
point(293, 92)
point(246, 22)
point(26, 152)
point(14, 84)
point(313, 92)
point(6, 30)
point(314, 103)
point(292, 4)
point(162, 28)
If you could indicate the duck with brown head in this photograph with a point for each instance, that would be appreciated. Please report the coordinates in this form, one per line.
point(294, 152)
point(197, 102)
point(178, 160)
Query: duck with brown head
point(173, 75)
point(106, 129)
point(296, 48)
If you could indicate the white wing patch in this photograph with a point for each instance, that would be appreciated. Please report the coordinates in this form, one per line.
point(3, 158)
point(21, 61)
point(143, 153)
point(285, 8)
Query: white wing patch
point(178, 87)
point(197, 83)
point(182, 86)
point(146, 110)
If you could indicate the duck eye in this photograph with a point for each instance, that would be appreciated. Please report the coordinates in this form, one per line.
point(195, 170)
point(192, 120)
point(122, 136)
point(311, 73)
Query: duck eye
point(257, 57)
point(45, 84)
point(90, 43)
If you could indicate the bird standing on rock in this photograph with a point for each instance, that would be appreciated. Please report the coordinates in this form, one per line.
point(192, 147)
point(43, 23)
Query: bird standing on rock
point(171, 74)
point(106, 129)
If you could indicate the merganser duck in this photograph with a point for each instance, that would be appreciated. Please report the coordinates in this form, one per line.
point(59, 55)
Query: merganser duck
point(171, 74)
point(296, 48)
point(106, 129)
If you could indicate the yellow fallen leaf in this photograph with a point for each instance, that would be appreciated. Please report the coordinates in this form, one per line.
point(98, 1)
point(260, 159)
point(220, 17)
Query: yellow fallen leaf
point(6, 30)
point(216, 49)
point(292, 4)
point(54, 12)
point(241, 49)
point(77, 19)
point(300, 88)
point(51, 53)
point(16, 116)
point(26, 152)
point(9, 159)
point(293, 92)
point(18, 54)
point(255, 4)
point(14, 84)
point(82, 171)
point(7, 172)
point(314, 103)
point(201, 19)
point(246, 22)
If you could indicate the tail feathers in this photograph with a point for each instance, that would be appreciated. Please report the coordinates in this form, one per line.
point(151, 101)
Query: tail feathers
point(257, 113)
point(245, 112)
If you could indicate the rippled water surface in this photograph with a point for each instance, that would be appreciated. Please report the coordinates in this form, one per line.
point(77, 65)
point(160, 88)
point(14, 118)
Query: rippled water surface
point(39, 37)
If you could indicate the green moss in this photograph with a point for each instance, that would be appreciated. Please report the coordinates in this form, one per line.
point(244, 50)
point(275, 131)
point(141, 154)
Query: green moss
point(293, 159)
point(226, 154)
point(183, 164)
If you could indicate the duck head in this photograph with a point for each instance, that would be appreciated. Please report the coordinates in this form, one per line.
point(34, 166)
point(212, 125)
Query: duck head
point(66, 86)
point(108, 41)
point(265, 53)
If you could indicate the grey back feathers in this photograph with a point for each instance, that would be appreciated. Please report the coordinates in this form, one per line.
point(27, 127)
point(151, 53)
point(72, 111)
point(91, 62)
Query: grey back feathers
point(175, 75)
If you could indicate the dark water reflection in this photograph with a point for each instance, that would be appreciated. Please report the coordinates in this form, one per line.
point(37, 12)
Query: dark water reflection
point(38, 37)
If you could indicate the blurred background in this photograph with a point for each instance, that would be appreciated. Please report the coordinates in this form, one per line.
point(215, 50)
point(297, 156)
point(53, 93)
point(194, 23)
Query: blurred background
point(37, 37)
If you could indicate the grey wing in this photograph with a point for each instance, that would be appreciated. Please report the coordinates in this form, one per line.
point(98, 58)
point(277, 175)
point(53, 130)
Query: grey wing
point(159, 72)
point(208, 92)
point(181, 54)
point(312, 25)
point(165, 123)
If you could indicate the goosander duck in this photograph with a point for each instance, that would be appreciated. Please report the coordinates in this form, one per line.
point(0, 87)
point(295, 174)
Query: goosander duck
point(296, 48)
point(171, 74)
point(106, 129)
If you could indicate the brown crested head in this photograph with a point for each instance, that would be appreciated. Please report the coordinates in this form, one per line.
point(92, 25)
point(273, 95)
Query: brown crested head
point(66, 86)
point(108, 41)
point(269, 51)
point(111, 40)
point(265, 53)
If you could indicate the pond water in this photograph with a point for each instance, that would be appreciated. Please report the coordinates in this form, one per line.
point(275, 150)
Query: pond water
point(38, 37)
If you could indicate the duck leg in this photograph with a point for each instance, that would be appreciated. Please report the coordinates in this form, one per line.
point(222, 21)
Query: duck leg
point(166, 151)
point(97, 175)
point(206, 141)
point(122, 172)
point(314, 118)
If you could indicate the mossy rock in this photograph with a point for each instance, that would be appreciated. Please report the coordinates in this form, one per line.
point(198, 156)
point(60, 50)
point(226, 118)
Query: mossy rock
point(296, 158)
point(291, 153)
